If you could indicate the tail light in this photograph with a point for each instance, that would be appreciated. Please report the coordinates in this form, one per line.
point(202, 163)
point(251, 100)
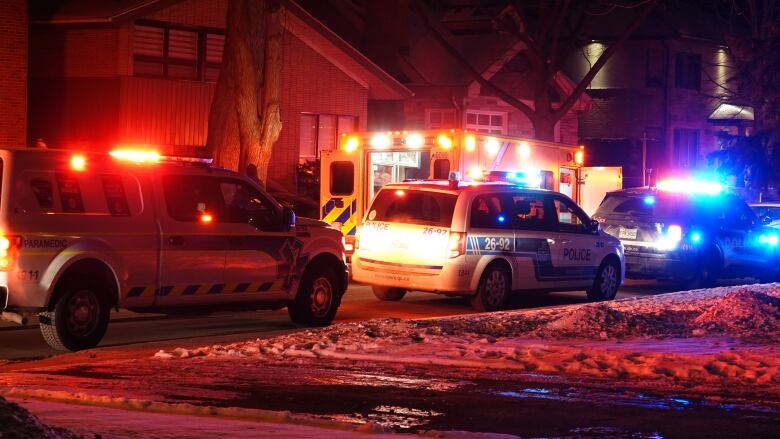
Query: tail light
point(457, 245)
point(674, 233)
point(9, 251)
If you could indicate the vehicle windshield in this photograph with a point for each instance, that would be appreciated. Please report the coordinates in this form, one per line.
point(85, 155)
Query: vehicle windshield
point(679, 207)
point(413, 206)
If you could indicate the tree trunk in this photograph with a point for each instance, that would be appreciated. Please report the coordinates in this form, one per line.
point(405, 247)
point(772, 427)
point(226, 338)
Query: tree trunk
point(244, 119)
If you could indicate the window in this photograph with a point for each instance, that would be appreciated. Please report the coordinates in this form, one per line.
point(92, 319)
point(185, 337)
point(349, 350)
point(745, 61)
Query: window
point(687, 71)
point(244, 204)
point(70, 193)
point(43, 192)
point(532, 212)
point(686, 147)
point(571, 218)
point(655, 70)
point(440, 118)
point(737, 213)
point(187, 197)
point(168, 51)
point(413, 207)
point(441, 169)
point(116, 200)
point(320, 132)
point(342, 178)
point(491, 211)
point(486, 122)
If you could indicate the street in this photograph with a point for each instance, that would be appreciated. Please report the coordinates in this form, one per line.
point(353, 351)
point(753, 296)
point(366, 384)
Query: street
point(359, 303)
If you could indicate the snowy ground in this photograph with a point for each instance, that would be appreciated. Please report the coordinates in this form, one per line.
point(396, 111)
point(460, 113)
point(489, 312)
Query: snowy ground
point(17, 423)
point(721, 341)
point(719, 346)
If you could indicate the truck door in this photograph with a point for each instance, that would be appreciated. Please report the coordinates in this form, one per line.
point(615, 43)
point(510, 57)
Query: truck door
point(193, 240)
point(340, 191)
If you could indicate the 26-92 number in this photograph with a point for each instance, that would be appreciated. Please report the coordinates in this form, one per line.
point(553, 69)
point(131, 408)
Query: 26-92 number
point(496, 244)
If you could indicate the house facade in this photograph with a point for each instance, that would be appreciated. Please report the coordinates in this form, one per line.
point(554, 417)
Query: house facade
point(144, 73)
point(664, 96)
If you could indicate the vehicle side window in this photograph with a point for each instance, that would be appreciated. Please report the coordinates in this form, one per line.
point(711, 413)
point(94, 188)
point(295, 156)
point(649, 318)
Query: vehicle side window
point(531, 212)
point(243, 202)
point(571, 219)
point(738, 214)
point(43, 192)
point(492, 211)
point(188, 197)
point(116, 199)
point(70, 193)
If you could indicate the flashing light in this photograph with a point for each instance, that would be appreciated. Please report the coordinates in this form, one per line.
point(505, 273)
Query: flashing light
point(78, 163)
point(9, 246)
point(501, 218)
point(690, 186)
point(400, 193)
point(136, 155)
point(524, 149)
point(470, 143)
point(696, 237)
point(579, 157)
point(770, 239)
point(414, 140)
point(650, 200)
point(380, 141)
point(206, 218)
point(444, 141)
point(456, 245)
point(492, 146)
point(352, 144)
point(672, 237)
point(476, 173)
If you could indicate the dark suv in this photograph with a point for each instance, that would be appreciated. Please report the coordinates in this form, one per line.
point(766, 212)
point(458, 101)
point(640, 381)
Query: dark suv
point(693, 239)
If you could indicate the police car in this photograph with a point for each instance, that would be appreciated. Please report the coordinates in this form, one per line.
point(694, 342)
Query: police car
point(81, 234)
point(689, 231)
point(484, 240)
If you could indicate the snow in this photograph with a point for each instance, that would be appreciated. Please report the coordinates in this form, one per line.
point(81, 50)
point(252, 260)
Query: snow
point(722, 340)
point(17, 422)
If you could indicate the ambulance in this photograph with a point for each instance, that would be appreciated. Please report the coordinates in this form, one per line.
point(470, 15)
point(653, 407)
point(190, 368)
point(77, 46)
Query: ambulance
point(84, 233)
point(352, 175)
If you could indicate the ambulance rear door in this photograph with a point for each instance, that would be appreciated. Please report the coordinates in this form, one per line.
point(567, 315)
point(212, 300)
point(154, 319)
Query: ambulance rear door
point(596, 182)
point(340, 194)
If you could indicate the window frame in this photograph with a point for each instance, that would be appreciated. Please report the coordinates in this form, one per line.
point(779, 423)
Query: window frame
point(687, 71)
point(479, 127)
point(200, 63)
point(584, 227)
point(336, 136)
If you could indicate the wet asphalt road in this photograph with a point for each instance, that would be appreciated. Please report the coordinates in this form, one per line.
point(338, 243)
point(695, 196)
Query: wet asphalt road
point(359, 303)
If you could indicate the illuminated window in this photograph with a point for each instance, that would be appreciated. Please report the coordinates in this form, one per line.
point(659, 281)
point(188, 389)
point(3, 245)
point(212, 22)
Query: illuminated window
point(486, 121)
point(168, 51)
point(687, 71)
point(320, 132)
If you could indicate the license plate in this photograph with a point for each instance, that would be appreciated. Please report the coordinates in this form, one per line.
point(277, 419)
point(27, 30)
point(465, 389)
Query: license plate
point(624, 233)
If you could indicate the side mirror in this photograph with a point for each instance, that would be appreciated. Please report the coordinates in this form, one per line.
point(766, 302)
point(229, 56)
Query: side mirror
point(288, 219)
point(594, 226)
point(765, 220)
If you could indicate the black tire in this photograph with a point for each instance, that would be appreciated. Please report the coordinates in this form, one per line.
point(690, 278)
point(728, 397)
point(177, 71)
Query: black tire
point(493, 289)
point(705, 276)
point(389, 294)
point(606, 283)
point(78, 317)
point(318, 298)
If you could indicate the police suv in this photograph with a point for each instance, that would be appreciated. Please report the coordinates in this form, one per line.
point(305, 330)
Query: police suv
point(483, 240)
point(81, 234)
point(690, 232)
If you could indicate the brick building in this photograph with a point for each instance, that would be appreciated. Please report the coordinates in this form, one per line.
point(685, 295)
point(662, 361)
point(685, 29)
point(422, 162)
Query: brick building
point(144, 72)
point(13, 72)
point(666, 89)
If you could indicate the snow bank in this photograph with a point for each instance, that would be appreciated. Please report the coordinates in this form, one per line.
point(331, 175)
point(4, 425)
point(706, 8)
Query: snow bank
point(16, 422)
point(723, 338)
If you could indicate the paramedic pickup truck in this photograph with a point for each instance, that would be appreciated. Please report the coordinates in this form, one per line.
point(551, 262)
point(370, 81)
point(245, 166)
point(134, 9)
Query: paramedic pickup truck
point(84, 233)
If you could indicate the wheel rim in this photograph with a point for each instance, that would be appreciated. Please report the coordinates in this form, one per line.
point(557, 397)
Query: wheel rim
point(495, 288)
point(83, 310)
point(608, 280)
point(321, 297)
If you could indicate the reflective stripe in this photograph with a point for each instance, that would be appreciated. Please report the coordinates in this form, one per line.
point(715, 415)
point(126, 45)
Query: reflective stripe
point(204, 289)
point(346, 215)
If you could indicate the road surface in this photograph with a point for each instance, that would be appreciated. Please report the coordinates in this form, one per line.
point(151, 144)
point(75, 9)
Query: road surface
point(359, 303)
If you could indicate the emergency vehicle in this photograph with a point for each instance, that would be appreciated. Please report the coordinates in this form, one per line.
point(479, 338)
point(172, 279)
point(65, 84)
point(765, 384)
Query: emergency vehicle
point(690, 231)
point(351, 176)
point(483, 240)
point(82, 233)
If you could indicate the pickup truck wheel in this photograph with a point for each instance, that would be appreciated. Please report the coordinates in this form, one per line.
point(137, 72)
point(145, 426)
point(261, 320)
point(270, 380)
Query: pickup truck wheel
point(606, 284)
point(317, 300)
point(388, 293)
point(78, 318)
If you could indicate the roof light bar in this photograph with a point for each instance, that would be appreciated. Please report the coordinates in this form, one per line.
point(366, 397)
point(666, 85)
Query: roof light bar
point(136, 155)
point(690, 186)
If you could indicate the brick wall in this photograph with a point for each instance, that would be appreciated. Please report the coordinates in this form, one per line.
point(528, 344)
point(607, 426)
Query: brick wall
point(57, 51)
point(13, 72)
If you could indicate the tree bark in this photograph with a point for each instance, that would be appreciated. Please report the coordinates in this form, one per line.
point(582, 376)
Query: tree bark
point(244, 119)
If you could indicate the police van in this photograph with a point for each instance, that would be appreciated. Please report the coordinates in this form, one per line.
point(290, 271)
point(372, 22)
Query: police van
point(484, 240)
point(84, 233)
point(690, 232)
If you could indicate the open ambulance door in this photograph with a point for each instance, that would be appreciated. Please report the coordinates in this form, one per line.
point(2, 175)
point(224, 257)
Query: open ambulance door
point(340, 203)
point(596, 182)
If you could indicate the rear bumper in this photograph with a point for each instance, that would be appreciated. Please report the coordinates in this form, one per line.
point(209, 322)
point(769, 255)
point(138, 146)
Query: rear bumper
point(446, 278)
